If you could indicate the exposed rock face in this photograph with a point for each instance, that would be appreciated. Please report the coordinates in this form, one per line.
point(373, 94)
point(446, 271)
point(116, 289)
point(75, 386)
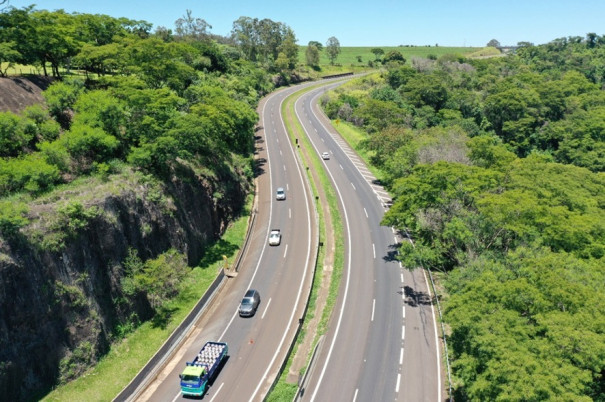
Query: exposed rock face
point(21, 92)
point(60, 307)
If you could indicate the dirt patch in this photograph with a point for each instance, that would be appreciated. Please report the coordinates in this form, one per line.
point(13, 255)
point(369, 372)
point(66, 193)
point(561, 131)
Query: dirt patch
point(17, 93)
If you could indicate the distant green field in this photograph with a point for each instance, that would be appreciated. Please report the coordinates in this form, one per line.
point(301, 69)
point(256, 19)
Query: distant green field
point(348, 55)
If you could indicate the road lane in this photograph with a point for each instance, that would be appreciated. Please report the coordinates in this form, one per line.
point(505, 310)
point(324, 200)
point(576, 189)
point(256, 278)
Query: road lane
point(374, 364)
point(258, 345)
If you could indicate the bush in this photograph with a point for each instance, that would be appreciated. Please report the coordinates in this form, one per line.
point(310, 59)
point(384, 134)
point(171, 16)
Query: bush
point(15, 134)
point(12, 217)
point(31, 173)
point(60, 98)
point(73, 217)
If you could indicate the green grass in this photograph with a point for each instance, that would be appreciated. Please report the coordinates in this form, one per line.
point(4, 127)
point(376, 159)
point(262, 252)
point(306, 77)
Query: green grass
point(354, 136)
point(348, 56)
point(123, 362)
point(283, 390)
point(486, 52)
point(28, 69)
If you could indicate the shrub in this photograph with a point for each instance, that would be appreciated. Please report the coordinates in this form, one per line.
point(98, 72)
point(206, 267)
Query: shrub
point(12, 217)
point(15, 134)
point(74, 216)
point(31, 173)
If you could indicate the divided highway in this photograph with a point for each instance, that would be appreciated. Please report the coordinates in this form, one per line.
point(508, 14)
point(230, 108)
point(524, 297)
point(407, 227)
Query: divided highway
point(382, 342)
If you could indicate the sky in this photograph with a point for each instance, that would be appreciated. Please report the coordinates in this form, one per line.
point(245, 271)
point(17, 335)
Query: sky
point(371, 23)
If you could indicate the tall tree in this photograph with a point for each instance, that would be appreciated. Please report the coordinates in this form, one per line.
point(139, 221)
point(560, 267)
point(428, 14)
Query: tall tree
point(317, 44)
point(289, 48)
point(312, 55)
point(333, 49)
point(189, 27)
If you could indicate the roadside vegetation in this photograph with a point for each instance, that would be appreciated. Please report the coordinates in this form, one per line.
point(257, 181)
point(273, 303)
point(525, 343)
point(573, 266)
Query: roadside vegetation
point(496, 166)
point(140, 341)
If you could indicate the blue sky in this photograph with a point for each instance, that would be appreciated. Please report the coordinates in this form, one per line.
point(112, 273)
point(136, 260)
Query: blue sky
point(372, 23)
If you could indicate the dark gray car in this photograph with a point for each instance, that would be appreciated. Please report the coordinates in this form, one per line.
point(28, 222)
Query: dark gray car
point(249, 304)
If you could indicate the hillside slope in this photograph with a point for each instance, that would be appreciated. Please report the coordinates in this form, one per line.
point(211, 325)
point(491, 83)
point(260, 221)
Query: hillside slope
point(17, 93)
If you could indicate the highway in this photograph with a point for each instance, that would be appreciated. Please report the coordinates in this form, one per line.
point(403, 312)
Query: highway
point(382, 341)
point(282, 274)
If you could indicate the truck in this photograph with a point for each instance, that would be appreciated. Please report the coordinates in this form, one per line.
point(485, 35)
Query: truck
point(197, 373)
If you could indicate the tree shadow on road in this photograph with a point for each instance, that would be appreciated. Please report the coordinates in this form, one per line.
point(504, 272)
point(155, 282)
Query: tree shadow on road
point(415, 298)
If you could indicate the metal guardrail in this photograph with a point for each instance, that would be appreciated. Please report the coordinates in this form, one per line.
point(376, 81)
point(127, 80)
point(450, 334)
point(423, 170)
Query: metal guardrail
point(300, 392)
point(336, 75)
point(135, 386)
point(304, 313)
point(156, 361)
point(447, 357)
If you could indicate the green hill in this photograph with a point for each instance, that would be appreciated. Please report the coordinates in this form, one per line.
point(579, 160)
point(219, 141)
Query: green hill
point(349, 55)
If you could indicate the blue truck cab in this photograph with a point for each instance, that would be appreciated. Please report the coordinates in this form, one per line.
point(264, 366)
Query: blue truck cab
point(197, 373)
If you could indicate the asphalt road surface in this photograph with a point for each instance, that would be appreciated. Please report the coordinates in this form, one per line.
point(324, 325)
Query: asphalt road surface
point(282, 274)
point(382, 341)
point(381, 344)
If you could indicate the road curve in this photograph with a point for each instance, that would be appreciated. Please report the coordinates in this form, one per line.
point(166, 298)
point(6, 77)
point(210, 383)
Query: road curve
point(382, 341)
point(282, 274)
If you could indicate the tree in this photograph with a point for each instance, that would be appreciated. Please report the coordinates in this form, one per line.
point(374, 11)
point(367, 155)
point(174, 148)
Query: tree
point(493, 43)
point(333, 49)
point(192, 28)
point(377, 53)
point(289, 48)
point(393, 56)
point(8, 56)
point(312, 55)
point(317, 44)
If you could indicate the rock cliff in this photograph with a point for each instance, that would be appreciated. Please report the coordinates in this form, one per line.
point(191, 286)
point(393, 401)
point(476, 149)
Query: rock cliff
point(61, 297)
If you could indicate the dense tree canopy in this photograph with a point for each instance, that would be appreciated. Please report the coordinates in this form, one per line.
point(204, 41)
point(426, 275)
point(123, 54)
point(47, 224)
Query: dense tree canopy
point(152, 103)
point(265, 40)
point(496, 167)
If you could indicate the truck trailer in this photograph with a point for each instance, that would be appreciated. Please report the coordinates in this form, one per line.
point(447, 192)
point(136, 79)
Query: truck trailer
point(197, 373)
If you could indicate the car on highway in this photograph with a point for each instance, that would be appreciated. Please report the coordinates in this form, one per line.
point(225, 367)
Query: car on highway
point(280, 194)
point(325, 156)
point(249, 304)
point(274, 237)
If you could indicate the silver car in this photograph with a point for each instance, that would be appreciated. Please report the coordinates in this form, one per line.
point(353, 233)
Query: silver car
point(275, 237)
point(280, 194)
point(325, 156)
point(249, 304)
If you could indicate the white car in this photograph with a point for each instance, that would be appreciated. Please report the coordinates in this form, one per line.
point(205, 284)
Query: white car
point(274, 237)
point(280, 194)
point(325, 156)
